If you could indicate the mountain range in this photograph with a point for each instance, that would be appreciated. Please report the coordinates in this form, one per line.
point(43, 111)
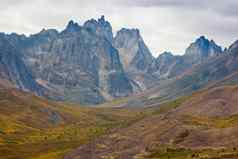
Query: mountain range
point(87, 64)
point(84, 92)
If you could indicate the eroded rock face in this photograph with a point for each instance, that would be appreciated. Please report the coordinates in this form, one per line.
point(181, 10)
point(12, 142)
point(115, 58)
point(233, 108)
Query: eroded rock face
point(12, 68)
point(100, 27)
point(233, 49)
point(168, 66)
point(163, 64)
point(144, 71)
point(202, 49)
point(134, 54)
point(135, 57)
point(78, 64)
point(87, 64)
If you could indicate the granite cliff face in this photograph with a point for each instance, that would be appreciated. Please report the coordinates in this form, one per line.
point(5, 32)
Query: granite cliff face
point(216, 70)
point(78, 64)
point(212, 70)
point(233, 49)
point(144, 70)
point(102, 28)
point(135, 55)
point(202, 49)
point(87, 64)
point(163, 65)
point(169, 66)
point(13, 69)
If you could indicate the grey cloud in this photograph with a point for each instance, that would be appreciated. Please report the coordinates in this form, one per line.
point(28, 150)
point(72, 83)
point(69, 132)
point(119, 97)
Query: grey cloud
point(161, 3)
point(225, 7)
point(164, 24)
point(5, 4)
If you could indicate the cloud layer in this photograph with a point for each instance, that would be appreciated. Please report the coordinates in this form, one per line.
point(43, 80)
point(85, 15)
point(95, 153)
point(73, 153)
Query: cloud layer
point(165, 24)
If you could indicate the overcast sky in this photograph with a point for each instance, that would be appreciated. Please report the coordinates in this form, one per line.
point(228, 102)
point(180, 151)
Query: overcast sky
point(166, 25)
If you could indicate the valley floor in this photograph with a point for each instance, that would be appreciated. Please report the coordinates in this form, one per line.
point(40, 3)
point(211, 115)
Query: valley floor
point(201, 126)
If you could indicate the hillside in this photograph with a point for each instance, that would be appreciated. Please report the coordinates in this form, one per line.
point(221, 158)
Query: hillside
point(203, 124)
point(200, 126)
point(37, 128)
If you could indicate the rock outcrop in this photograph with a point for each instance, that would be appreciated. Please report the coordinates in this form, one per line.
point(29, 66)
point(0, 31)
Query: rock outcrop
point(202, 49)
point(13, 69)
point(79, 64)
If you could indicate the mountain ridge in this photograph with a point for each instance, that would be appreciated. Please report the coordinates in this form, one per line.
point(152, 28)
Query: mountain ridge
point(142, 107)
point(88, 64)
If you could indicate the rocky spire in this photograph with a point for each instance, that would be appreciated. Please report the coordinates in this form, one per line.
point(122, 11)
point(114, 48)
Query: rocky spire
point(72, 27)
point(133, 52)
point(201, 49)
point(101, 27)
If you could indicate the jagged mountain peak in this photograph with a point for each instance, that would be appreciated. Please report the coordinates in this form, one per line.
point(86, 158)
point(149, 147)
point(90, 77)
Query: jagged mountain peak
point(165, 54)
point(202, 38)
point(162, 66)
point(118, 66)
point(71, 23)
point(100, 21)
point(202, 41)
point(202, 49)
point(72, 27)
point(130, 30)
point(129, 33)
point(100, 27)
point(80, 61)
point(133, 51)
point(233, 48)
point(212, 41)
point(48, 32)
point(18, 35)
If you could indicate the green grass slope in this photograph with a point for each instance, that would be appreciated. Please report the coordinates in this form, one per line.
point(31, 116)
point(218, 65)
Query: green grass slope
point(35, 128)
point(201, 126)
